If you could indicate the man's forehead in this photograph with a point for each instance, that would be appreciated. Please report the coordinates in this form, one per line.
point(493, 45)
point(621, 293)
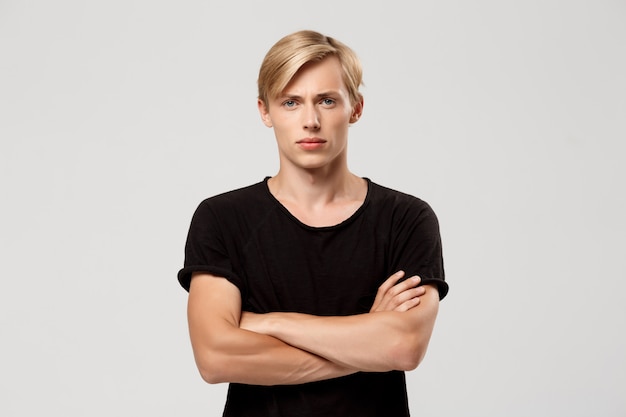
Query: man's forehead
point(320, 78)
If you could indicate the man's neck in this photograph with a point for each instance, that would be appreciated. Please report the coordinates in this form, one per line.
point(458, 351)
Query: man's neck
point(319, 197)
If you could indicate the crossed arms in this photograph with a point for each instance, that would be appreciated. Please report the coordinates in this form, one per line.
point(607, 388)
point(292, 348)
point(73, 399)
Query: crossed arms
point(293, 348)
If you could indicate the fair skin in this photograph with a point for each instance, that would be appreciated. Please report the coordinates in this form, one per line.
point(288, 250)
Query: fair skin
point(310, 119)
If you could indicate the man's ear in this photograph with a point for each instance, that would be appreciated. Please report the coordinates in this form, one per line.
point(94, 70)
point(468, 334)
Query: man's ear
point(357, 111)
point(264, 112)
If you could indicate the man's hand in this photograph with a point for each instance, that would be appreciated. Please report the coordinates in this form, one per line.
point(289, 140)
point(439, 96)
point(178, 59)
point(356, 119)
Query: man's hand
point(394, 296)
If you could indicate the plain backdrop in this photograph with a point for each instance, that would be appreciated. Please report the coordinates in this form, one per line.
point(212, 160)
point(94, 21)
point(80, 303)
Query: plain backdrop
point(118, 117)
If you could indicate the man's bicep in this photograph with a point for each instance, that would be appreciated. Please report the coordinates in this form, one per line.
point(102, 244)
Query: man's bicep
point(213, 313)
point(213, 302)
point(421, 321)
point(425, 313)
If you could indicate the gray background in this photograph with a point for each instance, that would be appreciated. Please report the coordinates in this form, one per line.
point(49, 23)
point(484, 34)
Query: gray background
point(118, 117)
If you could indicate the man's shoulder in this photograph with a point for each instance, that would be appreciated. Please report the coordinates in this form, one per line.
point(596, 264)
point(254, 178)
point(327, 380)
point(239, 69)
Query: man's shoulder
point(244, 196)
point(242, 204)
point(382, 195)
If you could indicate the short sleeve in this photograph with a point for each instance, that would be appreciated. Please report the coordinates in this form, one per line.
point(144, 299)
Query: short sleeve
point(417, 247)
point(206, 250)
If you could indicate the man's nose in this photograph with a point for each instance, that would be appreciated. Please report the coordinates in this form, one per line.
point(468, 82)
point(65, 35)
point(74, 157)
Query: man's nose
point(311, 118)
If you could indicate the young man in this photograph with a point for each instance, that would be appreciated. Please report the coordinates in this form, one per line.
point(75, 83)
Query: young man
point(312, 291)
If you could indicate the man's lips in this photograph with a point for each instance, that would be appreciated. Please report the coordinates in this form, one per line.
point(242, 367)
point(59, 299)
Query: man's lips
point(311, 140)
point(311, 144)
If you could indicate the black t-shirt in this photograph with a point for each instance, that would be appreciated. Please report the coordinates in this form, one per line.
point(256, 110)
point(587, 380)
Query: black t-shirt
point(280, 264)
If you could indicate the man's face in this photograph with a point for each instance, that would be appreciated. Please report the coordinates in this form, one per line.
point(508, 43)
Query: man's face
point(311, 117)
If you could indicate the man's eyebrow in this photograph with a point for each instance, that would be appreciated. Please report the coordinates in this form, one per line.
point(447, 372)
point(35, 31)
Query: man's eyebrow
point(327, 93)
point(297, 97)
point(290, 96)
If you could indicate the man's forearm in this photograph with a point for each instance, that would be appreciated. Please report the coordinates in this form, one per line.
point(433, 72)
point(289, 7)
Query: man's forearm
point(380, 341)
point(246, 357)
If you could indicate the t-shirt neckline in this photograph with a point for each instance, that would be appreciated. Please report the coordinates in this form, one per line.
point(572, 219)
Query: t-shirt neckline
point(345, 222)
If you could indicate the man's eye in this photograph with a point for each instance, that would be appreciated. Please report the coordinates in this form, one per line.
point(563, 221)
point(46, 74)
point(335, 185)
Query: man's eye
point(289, 103)
point(328, 101)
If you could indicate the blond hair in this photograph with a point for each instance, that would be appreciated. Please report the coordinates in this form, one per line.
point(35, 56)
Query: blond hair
point(290, 53)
